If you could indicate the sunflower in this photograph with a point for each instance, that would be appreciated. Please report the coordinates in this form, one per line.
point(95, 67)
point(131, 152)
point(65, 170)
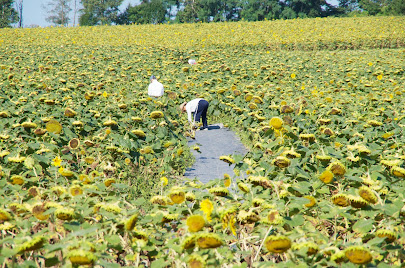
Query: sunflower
point(207, 207)
point(337, 168)
point(4, 215)
point(109, 181)
point(195, 223)
point(247, 217)
point(76, 190)
point(277, 243)
point(195, 261)
point(311, 247)
point(368, 195)
point(326, 176)
point(69, 112)
point(139, 133)
point(53, 126)
point(110, 123)
point(189, 242)
point(38, 212)
point(281, 161)
point(65, 214)
point(28, 124)
point(130, 223)
point(340, 200)
point(274, 218)
point(219, 191)
point(312, 201)
point(357, 201)
point(243, 187)
point(358, 255)
point(398, 171)
point(227, 159)
point(260, 180)
point(74, 143)
point(285, 109)
point(33, 244)
point(156, 114)
point(81, 257)
point(276, 122)
point(177, 195)
point(17, 180)
point(389, 235)
point(209, 240)
point(160, 200)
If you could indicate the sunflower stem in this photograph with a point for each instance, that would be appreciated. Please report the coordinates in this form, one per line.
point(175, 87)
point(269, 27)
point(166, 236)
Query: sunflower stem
point(261, 245)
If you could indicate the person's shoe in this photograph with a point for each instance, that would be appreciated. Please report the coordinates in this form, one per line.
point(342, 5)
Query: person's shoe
point(204, 128)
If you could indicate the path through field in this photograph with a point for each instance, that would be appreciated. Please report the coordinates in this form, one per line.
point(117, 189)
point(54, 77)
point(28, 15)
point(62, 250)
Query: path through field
point(213, 143)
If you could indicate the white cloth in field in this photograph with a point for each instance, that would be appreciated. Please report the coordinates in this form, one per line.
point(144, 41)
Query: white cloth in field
point(191, 107)
point(155, 89)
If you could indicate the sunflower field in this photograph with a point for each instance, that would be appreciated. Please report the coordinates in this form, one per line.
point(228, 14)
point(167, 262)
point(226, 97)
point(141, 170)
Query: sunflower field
point(91, 167)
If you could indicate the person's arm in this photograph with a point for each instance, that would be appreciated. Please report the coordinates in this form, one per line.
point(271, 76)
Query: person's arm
point(188, 109)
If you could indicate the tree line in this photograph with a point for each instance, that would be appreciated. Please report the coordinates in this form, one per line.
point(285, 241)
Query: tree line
point(107, 12)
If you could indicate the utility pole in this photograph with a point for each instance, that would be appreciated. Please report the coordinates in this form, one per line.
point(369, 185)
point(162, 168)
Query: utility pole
point(19, 5)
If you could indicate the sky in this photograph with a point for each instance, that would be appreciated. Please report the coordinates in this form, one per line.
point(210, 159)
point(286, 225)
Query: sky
point(34, 14)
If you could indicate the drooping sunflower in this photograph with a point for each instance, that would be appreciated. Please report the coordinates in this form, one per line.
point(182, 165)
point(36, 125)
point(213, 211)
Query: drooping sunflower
point(358, 255)
point(33, 244)
point(81, 257)
point(209, 240)
point(277, 243)
point(367, 194)
point(340, 200)
point(281, 161)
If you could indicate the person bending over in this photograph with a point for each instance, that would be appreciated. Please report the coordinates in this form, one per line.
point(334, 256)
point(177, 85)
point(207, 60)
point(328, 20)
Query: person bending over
point(196, 109)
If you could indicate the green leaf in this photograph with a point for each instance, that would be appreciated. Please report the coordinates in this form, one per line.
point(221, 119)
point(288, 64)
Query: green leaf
point(363, 226)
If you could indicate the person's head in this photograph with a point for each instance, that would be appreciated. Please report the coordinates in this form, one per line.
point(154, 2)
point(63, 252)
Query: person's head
point(183, 107)
point(152, 78)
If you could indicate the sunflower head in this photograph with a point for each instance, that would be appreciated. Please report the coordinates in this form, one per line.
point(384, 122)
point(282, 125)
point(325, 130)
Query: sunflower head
point(358, 255)
point(33, 244)
point(4, 215)
point(357, 201)
point(195, 261)
point(209, 240)
point(337, 168)
point(65, 214)
point(276, 122)
point(281, 161)
point(177, 196)
point(277, 243)
point(195, 223)
point(219, 191)
point(367, 194)
point(156, 114)
point(81, 257)
point(341, 200)
point(189, 242)
point(326, 176)
point(389, 235)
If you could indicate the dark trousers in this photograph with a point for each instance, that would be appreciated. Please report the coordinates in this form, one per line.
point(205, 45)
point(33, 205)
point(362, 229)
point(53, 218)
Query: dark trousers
point(202, 112)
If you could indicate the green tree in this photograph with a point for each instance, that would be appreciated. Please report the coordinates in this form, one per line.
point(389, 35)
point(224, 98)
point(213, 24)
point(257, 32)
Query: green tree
point(254, 10)
point(8, 14)
point(150, 11)
point(309, 8)
point(96, 12)
point(58, 11)
point(397, 7)
point(208, 10)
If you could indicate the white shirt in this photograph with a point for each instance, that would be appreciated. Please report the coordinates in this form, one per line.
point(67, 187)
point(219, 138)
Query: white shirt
point(155, 89)
point(191, 107)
